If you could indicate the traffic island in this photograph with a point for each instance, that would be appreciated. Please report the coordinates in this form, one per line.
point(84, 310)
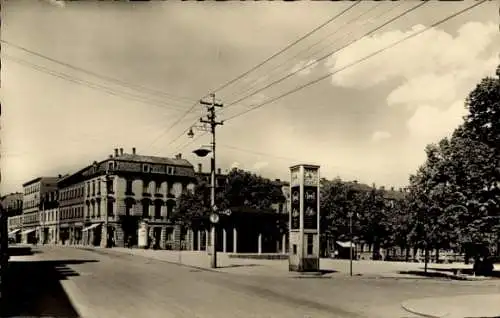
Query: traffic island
point(464, 306)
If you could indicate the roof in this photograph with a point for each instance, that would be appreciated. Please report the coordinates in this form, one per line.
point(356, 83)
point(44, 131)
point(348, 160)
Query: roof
point(152, 159)
point(55, 179)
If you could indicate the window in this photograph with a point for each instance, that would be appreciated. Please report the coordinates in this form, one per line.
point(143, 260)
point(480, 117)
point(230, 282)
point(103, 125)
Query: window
point(145, 209)
point(88, 189)
point(158, 205)
point(170, 208)
point(92, 213)
point(310, 244)
point(170, 170)
point(98, 209)
point(110, 208)
point(93, 187)
point(158, 186)
point(294, 249)
point(111, 165)
point(145, 186)
point(109, 186)
point(98, 188)
point(128, 208)
point(146, 168)
point(128, 186)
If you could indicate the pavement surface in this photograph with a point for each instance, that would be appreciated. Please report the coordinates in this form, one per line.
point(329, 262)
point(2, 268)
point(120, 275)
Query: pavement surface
point(113, 283)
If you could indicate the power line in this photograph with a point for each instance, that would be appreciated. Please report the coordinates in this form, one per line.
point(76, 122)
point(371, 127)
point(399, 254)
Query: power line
point(327, 55)
point(277, 67)
point(287, 47)
point(107, 78)
point(91, 85)
point(358, 61)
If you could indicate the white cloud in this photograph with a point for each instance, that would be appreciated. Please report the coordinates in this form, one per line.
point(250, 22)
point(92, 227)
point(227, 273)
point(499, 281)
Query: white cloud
point(380, 135)
point(307, 65)
point(235, 165)
point(429, 124)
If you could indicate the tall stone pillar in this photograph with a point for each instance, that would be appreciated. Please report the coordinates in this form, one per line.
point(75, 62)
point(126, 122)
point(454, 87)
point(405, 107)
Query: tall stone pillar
point(177, 237)
point(283, 244)
point(259, 244)
point(119, 236)
point(207, 240)
point(199, 240)
point(235, 240)
point(224, 240)
point(190, 240)
point(163, 237)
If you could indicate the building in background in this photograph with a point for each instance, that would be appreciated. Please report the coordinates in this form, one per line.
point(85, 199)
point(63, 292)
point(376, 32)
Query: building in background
point(38, 195)
point(13, 209)
point(122, 193)
point(70, 216)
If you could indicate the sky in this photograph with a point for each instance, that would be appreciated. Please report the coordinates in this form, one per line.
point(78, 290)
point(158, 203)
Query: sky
point(120, 74)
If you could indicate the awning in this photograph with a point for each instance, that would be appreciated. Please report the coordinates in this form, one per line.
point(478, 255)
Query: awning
point(93, 226)
point(14, 232)
point(28, 231)
point(345, 244)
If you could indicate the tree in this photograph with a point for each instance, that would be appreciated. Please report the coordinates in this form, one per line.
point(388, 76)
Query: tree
point(193, 206)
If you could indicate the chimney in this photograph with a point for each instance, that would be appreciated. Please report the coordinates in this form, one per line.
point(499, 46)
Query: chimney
point(218, 170)
point(200, 167)
point(116, 152)
point(121, 151)
point(278, 180)
point(178, 156)
point(133, 151)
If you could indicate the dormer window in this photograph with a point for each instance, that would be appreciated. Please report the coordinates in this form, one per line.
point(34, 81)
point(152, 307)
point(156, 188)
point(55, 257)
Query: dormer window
point(111, 165)
point(170, 170)
point(146, 168)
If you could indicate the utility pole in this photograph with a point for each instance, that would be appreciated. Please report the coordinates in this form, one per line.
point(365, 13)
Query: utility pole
point(350, 243)
point(213, 123)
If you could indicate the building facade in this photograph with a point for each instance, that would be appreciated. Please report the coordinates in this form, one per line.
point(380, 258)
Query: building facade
point(112, 198)
point(38, 194)
point(71, 210)
point(13, 209)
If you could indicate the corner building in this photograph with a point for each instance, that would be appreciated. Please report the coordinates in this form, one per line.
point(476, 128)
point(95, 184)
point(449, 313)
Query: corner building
point(124, 192)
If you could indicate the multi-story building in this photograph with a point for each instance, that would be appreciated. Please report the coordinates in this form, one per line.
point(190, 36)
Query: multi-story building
point(49, 221)
point(13, 207)
point(39, 194)
point(71, 209)
point(124, 192)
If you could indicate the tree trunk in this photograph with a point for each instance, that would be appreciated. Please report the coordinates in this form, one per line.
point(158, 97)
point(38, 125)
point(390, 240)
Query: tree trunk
point(407, 254)
point(437, 255)
point(426, 258)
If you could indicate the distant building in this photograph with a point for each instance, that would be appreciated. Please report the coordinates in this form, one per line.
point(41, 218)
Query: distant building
point(122, 192)
point(38, 194)
point(13, 208)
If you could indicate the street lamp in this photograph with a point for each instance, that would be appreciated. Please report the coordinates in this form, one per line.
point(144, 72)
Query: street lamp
point(350, 215)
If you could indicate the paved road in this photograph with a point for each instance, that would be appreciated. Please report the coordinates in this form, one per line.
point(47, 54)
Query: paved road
point(119, 285)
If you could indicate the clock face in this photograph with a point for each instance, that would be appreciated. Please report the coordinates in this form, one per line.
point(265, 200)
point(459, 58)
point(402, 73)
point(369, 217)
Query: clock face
point(310, 177)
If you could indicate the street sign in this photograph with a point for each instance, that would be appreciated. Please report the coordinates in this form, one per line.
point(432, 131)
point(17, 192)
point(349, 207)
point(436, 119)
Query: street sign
point(214, 218)
point(227, 212)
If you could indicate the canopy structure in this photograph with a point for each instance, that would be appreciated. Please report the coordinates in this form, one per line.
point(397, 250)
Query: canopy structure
point(345, 244)
point(28, 231)
point(14, 232)
point(93, 226)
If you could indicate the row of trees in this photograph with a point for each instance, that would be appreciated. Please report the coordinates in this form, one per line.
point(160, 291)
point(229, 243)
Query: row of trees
point(452, 201)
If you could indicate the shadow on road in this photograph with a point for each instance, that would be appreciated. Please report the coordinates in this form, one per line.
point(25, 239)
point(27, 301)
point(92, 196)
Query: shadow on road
point(33, 289)
point(433, 274)
point(240, 265)
point(20, 251)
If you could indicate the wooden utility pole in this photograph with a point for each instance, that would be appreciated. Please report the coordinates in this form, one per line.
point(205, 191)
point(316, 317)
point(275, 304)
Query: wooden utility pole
point(211, 120)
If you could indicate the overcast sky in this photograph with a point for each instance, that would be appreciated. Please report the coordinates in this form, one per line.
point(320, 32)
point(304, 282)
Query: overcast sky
point(368, 122)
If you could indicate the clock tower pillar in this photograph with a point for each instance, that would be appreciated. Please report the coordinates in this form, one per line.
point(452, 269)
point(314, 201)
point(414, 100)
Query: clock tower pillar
point(304, 218)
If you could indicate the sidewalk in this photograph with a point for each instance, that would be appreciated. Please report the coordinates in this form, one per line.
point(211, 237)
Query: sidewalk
point(469, 306)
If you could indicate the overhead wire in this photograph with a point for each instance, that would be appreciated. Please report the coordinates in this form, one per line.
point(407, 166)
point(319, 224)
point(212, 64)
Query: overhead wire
point(101, 76)
point(89, 84)
point(256, 67)
point(327, 55)
point(287, 47)
point(366, 57)
point(271, 72)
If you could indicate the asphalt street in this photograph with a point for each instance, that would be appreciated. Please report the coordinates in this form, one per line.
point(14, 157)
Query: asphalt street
point(107, 284)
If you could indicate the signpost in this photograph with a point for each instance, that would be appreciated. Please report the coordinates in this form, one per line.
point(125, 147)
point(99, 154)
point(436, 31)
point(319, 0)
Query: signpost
point(304, 218)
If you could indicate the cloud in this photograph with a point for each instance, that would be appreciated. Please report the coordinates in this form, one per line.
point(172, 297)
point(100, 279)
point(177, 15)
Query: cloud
point(433, 52)
point(59, 3)
point(380, 135)
point(235, 165)
point(429, 124)
point(307, 65)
